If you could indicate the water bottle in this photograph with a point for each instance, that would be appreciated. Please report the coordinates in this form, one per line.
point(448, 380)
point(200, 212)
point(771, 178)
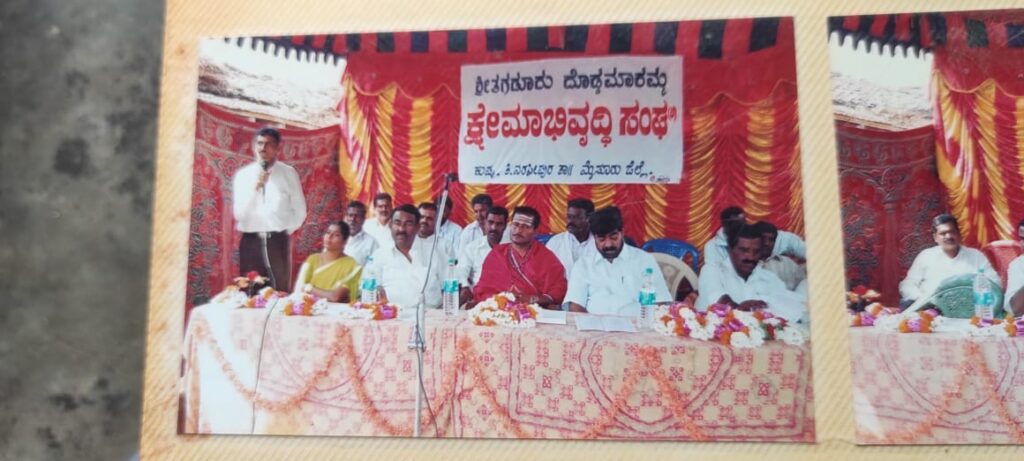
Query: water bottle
point(368, 286)
point(983, 297)
point(450, 291)
point(646, 298)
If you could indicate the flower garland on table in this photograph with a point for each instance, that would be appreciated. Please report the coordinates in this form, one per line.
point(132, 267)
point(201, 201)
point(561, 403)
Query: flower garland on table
point(729, 326)
point(870, 315)
point(305, 304)
point(370, 311)
point(240, 292)
point(502, 309)
point(863, 306)
point(1009, 326)
point(860, 297)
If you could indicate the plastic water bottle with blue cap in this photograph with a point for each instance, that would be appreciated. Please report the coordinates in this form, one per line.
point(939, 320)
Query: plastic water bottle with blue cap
point(368, 286)
point(984, 299)
point(647, 300)
point(450, 291)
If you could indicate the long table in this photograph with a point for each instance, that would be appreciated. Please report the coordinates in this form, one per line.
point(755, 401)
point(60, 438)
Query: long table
point(325, 375)
point(937, 388)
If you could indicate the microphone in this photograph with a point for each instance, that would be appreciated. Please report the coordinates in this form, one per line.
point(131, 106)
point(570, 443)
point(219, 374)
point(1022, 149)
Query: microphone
point(450, 178)
point(266, 167)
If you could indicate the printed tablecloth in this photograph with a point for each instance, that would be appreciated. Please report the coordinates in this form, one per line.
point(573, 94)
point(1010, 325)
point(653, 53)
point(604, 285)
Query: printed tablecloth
point(325, 375)
point(937, 388)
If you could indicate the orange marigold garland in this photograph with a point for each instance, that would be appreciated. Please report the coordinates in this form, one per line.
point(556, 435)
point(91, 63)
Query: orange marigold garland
point(728, 326)
point(920, 323)
point(306, 304)
point(375, 311)
point(503, 309)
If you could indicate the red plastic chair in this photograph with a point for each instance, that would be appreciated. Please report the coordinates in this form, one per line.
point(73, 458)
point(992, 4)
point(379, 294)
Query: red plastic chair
point(1000, 253)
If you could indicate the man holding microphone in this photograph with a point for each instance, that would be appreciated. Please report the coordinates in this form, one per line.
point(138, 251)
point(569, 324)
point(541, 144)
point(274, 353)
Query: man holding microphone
point(268, 206)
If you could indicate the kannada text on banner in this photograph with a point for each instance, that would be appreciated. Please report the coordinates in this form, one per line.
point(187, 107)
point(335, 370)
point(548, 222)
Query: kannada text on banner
point(573, 121)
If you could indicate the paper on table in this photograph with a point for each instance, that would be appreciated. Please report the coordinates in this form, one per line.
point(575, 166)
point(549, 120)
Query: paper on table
point(552, 317)
point(592, 322)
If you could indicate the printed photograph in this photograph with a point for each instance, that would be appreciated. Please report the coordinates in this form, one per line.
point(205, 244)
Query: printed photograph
point(553, 232)
point(929, 119)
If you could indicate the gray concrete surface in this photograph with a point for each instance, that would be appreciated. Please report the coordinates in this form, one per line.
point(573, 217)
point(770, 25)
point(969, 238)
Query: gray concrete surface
point(78, 105)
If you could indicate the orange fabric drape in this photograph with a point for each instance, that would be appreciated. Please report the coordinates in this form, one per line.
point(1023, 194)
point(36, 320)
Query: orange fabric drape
point(737, 152)
point(979, 145)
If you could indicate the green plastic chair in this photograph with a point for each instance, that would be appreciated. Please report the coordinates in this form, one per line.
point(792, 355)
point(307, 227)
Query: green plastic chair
point(955, 297)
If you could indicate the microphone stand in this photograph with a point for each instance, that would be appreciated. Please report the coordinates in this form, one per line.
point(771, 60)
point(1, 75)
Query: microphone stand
point(266, 259)
point(417, 340)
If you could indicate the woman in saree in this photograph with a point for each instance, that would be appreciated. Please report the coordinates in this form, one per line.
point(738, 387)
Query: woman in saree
point(331, 273)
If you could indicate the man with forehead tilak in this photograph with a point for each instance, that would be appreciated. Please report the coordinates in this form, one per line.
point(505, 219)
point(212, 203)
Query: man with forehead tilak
point(524, 266)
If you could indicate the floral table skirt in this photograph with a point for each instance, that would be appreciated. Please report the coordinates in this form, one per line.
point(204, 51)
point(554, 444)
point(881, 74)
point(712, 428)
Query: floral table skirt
point(325, 375)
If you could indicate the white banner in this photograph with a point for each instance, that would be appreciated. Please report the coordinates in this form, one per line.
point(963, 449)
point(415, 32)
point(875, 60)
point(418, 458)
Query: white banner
point(576, 121)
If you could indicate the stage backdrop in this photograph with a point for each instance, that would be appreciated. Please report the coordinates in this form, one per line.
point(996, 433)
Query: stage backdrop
point(890, 192)
point(401, 111)
point(978, 97)
point(223, 145)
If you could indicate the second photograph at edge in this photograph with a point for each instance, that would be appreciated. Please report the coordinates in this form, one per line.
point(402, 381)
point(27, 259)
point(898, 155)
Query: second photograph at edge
point(929, 120)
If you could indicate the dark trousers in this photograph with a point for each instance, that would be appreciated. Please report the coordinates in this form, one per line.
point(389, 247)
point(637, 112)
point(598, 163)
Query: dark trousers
point(250, 257)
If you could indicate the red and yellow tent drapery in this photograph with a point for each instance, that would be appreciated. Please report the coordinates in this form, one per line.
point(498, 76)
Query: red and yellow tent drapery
point(978, 93)
point(401, 120)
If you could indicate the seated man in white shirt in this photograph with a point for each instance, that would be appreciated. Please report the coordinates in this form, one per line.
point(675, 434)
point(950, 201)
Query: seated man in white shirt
point(360, 244)
point(476, 229)
point(570, 245)
point(946, 259)
point(426, 233)
point(471, 258)
point(780, 243)
point(785, 243)
point(402, 267)
point(742, 283)
point(380, 227)
point(781, 256)
point(1013, 301)
point(450, 231)
point(717, 249)
point(608, 281)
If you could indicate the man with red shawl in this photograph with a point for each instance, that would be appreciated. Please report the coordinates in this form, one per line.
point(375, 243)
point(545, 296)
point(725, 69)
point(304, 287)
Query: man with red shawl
point(524, 267)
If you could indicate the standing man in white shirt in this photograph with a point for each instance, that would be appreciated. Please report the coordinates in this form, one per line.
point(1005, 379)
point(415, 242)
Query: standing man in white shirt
point(360, 244)
point(268, 206)
point(608, 281)
point(380, 226)
point(571, 245)
point(450, 231)
point(481, 203)
point(946, 259)
point(425, 234)
point(1013, 301)
point(402, 267)
point(742, 283)
point(471, 258)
